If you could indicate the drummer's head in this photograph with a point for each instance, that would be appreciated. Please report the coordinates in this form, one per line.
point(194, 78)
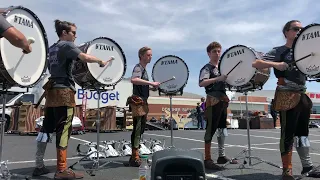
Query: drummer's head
point(214, 51)
point(145, 54)
point(291, 28)
point(66, 31)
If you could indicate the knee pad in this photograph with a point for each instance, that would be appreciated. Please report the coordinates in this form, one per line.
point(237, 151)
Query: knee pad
point(301, 141)
point(44, 137)
point(221, 132)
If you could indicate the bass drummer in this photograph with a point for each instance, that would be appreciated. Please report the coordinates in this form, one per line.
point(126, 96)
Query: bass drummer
point(216, 107)
point(14, 36)
point(293, 104)
point(60, 99)
point(138, 102)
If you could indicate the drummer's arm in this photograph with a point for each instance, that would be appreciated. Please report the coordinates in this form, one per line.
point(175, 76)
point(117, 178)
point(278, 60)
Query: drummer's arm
point(89, 58)
point(262, 64)
point(205, 79)
point(136, 77)
point(207, 82)
point(269, 60)
point(13, 35)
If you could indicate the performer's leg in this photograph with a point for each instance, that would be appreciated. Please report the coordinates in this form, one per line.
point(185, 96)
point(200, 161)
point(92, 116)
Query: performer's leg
point(289, 121)
point(213, 114)
point(64, 117)
point(135, 141)
point(221, 134)
point(44, 136)
point(199, 121)
point(302, 142)
point(143, 124)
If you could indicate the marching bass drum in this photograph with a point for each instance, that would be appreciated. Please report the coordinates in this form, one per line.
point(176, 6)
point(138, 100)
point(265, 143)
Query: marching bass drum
point(307, 41)
point(91, 75)
point(172, 72)
point(17, 68)
point(237, 61)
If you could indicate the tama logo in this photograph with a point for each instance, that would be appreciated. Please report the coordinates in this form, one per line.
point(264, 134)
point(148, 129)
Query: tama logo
point(22, 21)
point(169, 62)
point(171, 86)
point(26, 79)
point(241, 80)
point(107, 79)
point(312, 68)
point(104, 47)
point(235, 53)
point(311, 35)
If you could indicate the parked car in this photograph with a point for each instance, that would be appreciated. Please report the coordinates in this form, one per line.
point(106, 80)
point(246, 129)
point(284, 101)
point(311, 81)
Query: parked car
point(314, 125)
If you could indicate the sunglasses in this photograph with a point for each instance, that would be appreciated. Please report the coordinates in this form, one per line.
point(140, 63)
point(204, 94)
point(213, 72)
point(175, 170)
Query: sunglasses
point(296, 29)
point(74, 32)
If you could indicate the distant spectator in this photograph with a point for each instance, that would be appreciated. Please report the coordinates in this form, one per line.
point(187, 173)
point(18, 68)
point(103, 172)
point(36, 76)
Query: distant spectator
point(200, 113)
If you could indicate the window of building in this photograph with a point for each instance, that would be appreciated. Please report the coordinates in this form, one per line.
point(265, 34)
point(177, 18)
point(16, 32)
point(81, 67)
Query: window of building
point(315, 110)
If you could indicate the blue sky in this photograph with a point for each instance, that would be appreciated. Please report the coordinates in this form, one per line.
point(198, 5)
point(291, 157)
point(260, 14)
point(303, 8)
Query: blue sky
point(181, 27)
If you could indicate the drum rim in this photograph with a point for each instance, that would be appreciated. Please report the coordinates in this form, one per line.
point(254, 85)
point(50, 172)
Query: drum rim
point(87, 44)
point(165, 91)
point(292, 49)
point(10, 81)
point(224, 53)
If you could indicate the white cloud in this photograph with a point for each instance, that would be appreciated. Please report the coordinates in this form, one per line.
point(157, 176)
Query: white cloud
point(176, 26)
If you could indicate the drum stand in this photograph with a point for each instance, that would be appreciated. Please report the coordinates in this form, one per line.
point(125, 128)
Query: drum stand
point(96, 162)
point(171, 119)
point(5, 173)
point(171, 123)
point(247, 151)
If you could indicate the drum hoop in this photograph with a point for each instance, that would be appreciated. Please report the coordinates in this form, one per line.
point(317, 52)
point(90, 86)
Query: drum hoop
point(4, 72)
point(294, 45)
point(165, 91)
point(86, 46)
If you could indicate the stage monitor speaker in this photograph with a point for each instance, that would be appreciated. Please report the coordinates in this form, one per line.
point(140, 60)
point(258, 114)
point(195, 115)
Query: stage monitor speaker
point(175, 164)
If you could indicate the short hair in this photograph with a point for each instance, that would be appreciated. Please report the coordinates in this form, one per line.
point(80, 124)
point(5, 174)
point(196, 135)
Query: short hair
point(287, 26)
point(213, 45)
point(143, 50)
point(63, 25)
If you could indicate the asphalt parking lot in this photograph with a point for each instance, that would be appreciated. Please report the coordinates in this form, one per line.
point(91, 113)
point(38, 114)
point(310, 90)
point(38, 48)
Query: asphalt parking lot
point(20, 150)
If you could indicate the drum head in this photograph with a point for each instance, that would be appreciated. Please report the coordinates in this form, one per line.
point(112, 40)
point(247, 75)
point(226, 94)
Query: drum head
point(104, 48)
point(168, 67)
point(244, 72)
point(25, 69)
point(307, 41)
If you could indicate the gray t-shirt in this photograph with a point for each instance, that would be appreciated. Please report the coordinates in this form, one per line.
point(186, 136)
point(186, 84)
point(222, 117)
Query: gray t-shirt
point(4, 25)
point(294, 79)
point(61, 59)
point(140, 90)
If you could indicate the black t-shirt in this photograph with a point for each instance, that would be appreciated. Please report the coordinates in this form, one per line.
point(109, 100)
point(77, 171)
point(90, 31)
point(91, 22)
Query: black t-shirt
point(140, 90)
point(61, 59)
point(283, 54)
point(217, 89)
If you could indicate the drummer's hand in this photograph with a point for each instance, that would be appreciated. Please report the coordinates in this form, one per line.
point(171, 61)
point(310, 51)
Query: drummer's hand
point(27, 50)
point(155, 84)
point(222, 77)
point(281, 66)
point(103, 63)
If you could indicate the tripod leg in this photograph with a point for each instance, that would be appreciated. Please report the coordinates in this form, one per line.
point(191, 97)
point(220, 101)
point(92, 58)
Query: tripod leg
point(83, 158)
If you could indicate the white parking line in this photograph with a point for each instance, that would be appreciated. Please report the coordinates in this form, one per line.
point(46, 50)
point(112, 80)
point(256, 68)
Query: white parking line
point(277, 132)
point(230, 145)
point(265, 137)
